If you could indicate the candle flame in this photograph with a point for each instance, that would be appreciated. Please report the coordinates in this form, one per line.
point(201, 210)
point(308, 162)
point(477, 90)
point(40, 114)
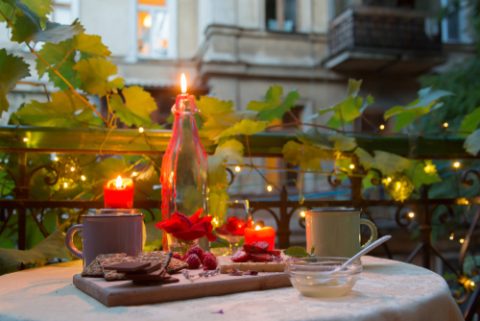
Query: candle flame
point(119, 182)
point(258, 227)
point(183, 83)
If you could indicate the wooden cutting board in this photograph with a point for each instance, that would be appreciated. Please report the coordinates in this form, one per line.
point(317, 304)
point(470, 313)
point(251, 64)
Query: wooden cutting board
point(126, 293)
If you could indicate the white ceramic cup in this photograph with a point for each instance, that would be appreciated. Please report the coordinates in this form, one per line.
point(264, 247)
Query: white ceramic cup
point(336, 231)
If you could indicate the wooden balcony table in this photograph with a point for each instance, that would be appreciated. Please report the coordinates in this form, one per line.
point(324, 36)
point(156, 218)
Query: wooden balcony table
point(386, 290)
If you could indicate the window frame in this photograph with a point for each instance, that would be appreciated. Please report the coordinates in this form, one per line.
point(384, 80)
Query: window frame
point(171, 8)
point(463, 24)
point(280, 17)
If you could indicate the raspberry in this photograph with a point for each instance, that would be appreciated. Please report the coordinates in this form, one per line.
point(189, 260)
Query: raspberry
point(193, 261)
point(209, 261)
point(195, 250)
point(240, 256)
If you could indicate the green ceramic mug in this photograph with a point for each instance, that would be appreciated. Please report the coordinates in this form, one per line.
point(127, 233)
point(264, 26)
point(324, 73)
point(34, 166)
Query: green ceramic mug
point(336, 231)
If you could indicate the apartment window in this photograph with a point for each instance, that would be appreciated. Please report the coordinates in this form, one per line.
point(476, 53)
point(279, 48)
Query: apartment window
point(455, 27)
point(281, 15)
point(155, 28)
point(64, 11)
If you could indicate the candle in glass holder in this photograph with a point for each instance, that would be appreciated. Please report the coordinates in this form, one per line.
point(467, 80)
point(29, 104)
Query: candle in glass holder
point(118, 193)
point(259, 233)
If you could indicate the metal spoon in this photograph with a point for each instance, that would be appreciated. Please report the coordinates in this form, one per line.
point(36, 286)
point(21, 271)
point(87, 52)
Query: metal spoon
point(364, 251)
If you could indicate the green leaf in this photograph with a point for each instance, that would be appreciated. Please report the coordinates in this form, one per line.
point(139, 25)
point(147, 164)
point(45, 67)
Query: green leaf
point(419, 176)
point(7, 9)
point(364, 158)
point(230, 150)
point(137, 108)
point(296, 251)
point(64, 110)
point(55, 32)
point(13, 69)
point(91, 45)
point(217, 115)
point(94, 74)
point(344, 143)
point(472, 143)
point(307, 156)
point(40, 7)
point(62, 57)
point(389, 163)
point(218, 203)
point(273, 107)
point(25, 26)
point(244, 127)
point(53, 246)
point(354, 87)
point(427, 101)
point(471, 121)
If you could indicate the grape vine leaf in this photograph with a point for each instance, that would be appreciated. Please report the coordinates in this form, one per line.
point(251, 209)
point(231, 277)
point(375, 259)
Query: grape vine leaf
point(244, 127)
point(307, 156)
point(229, 150)
point(472, 143)
point(273, 107)
point(419, 177)
point(427, 101)
point(471, 121)
point(389, 163)
point(91, 45)
point(137, 107)
point(343, 143)
point(62, 57)
point(349, 109)
point(53, 246)
point(95, 73)
point(55, 32)
point(13, 69)
point(217, 115)
point(364, 158)
point(40, 7)
point(7, 10)
point(64, 110)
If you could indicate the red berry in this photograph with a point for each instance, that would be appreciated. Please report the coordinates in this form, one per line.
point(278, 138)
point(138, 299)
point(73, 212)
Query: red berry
point(240, 256)
point(195, 250)
point(193, 261)
point(209, 261)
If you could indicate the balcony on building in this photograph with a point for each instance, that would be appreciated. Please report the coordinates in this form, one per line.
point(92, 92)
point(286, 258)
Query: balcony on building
point(392, 37)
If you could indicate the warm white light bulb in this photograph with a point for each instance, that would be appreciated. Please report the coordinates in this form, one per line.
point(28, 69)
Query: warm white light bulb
point(238, 169)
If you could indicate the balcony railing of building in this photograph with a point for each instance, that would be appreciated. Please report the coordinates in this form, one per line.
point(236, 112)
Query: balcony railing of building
point(384, 39)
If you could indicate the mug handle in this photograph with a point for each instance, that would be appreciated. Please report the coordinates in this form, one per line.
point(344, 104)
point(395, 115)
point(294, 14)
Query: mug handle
point(373, 231)
point(69, 240)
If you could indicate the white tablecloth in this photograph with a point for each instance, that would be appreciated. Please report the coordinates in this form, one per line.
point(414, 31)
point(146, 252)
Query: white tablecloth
point(386, 290)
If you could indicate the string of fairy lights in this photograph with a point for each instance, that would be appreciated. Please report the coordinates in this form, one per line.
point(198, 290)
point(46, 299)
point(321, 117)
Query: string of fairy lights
point(69, 173)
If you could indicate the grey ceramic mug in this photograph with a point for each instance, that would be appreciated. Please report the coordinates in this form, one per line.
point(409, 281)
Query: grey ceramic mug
point(109, 231)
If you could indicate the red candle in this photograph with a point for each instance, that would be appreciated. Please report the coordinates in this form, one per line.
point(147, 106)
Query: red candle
point(118, 193)
point(258, 233)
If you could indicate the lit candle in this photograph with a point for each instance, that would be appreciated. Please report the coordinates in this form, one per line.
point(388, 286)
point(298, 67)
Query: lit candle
point(259, 233)
point(118, 193)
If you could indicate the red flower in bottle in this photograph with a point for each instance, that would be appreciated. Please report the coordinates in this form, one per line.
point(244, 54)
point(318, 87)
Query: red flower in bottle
point(187, 228)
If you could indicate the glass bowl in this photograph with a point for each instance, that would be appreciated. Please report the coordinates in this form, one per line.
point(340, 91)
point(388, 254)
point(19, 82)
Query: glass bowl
point(312, 276)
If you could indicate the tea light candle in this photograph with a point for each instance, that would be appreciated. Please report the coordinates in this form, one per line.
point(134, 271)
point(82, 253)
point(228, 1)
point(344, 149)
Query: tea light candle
point(259, 233)
point(118, 193)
